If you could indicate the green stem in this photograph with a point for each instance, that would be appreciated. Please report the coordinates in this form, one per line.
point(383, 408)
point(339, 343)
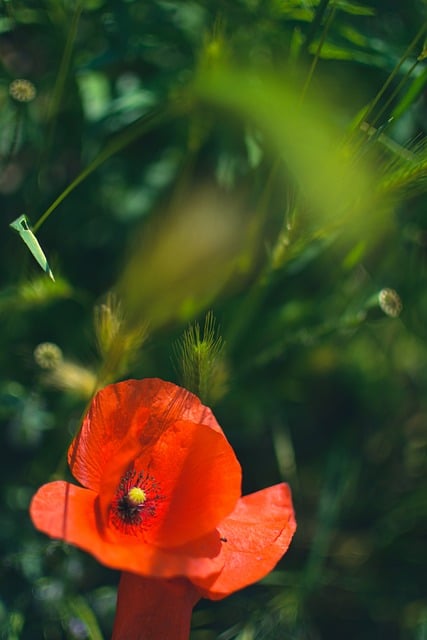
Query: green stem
point(317, 20)
point(395, 92)
point(318, 51)
point(366, 113)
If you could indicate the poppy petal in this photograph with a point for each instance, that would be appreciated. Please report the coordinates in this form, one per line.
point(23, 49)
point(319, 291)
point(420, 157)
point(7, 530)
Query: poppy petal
point(65, 511)
point(120, 408)
point(197, 474)
point(197, 467)
point(150, 609)
point(255, 536)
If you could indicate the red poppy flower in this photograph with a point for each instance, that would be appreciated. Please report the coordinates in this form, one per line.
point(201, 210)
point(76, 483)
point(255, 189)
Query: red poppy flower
point(161, 502)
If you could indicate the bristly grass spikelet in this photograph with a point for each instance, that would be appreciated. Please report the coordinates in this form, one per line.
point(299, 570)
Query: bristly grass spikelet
point(200, 359)
point(118, 341)
point(108, 321)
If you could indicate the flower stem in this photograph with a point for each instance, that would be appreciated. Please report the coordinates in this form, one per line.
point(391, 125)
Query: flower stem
point(153, 609)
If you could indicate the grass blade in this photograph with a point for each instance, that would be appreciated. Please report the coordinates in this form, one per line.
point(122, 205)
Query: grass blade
point(23, 228)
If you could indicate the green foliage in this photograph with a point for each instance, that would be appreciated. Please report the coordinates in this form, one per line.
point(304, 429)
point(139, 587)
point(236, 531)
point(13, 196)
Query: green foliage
point(266, 160)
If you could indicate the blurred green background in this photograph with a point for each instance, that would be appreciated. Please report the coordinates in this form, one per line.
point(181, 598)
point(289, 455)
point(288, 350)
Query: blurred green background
point(263, 160)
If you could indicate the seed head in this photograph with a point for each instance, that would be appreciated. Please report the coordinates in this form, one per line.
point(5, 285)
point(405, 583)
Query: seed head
point(47, 355)
point(390, 302)
point(22, 90)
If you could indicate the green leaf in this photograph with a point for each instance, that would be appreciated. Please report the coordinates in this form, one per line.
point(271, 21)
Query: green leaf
point(6, 25)
point(78, 607)
point(355, 9)
point(326, 176)
point(21, 225)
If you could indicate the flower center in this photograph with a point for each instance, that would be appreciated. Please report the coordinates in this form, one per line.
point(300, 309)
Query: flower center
point(137, 496)
point(135, 503)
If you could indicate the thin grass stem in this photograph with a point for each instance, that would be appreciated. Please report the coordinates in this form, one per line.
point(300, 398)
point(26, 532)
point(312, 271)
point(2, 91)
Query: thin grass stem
point(370, 108)
point(316, 22)
point(395, 92)
point(61, 77)
point(114, 147)
point(318, 52)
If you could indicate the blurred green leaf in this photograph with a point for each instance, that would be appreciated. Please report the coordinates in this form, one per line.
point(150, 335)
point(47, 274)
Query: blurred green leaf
point(337, 192)
point(354, 8)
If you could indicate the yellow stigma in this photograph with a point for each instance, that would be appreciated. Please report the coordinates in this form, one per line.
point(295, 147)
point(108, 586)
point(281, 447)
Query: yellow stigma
point(136, 496)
